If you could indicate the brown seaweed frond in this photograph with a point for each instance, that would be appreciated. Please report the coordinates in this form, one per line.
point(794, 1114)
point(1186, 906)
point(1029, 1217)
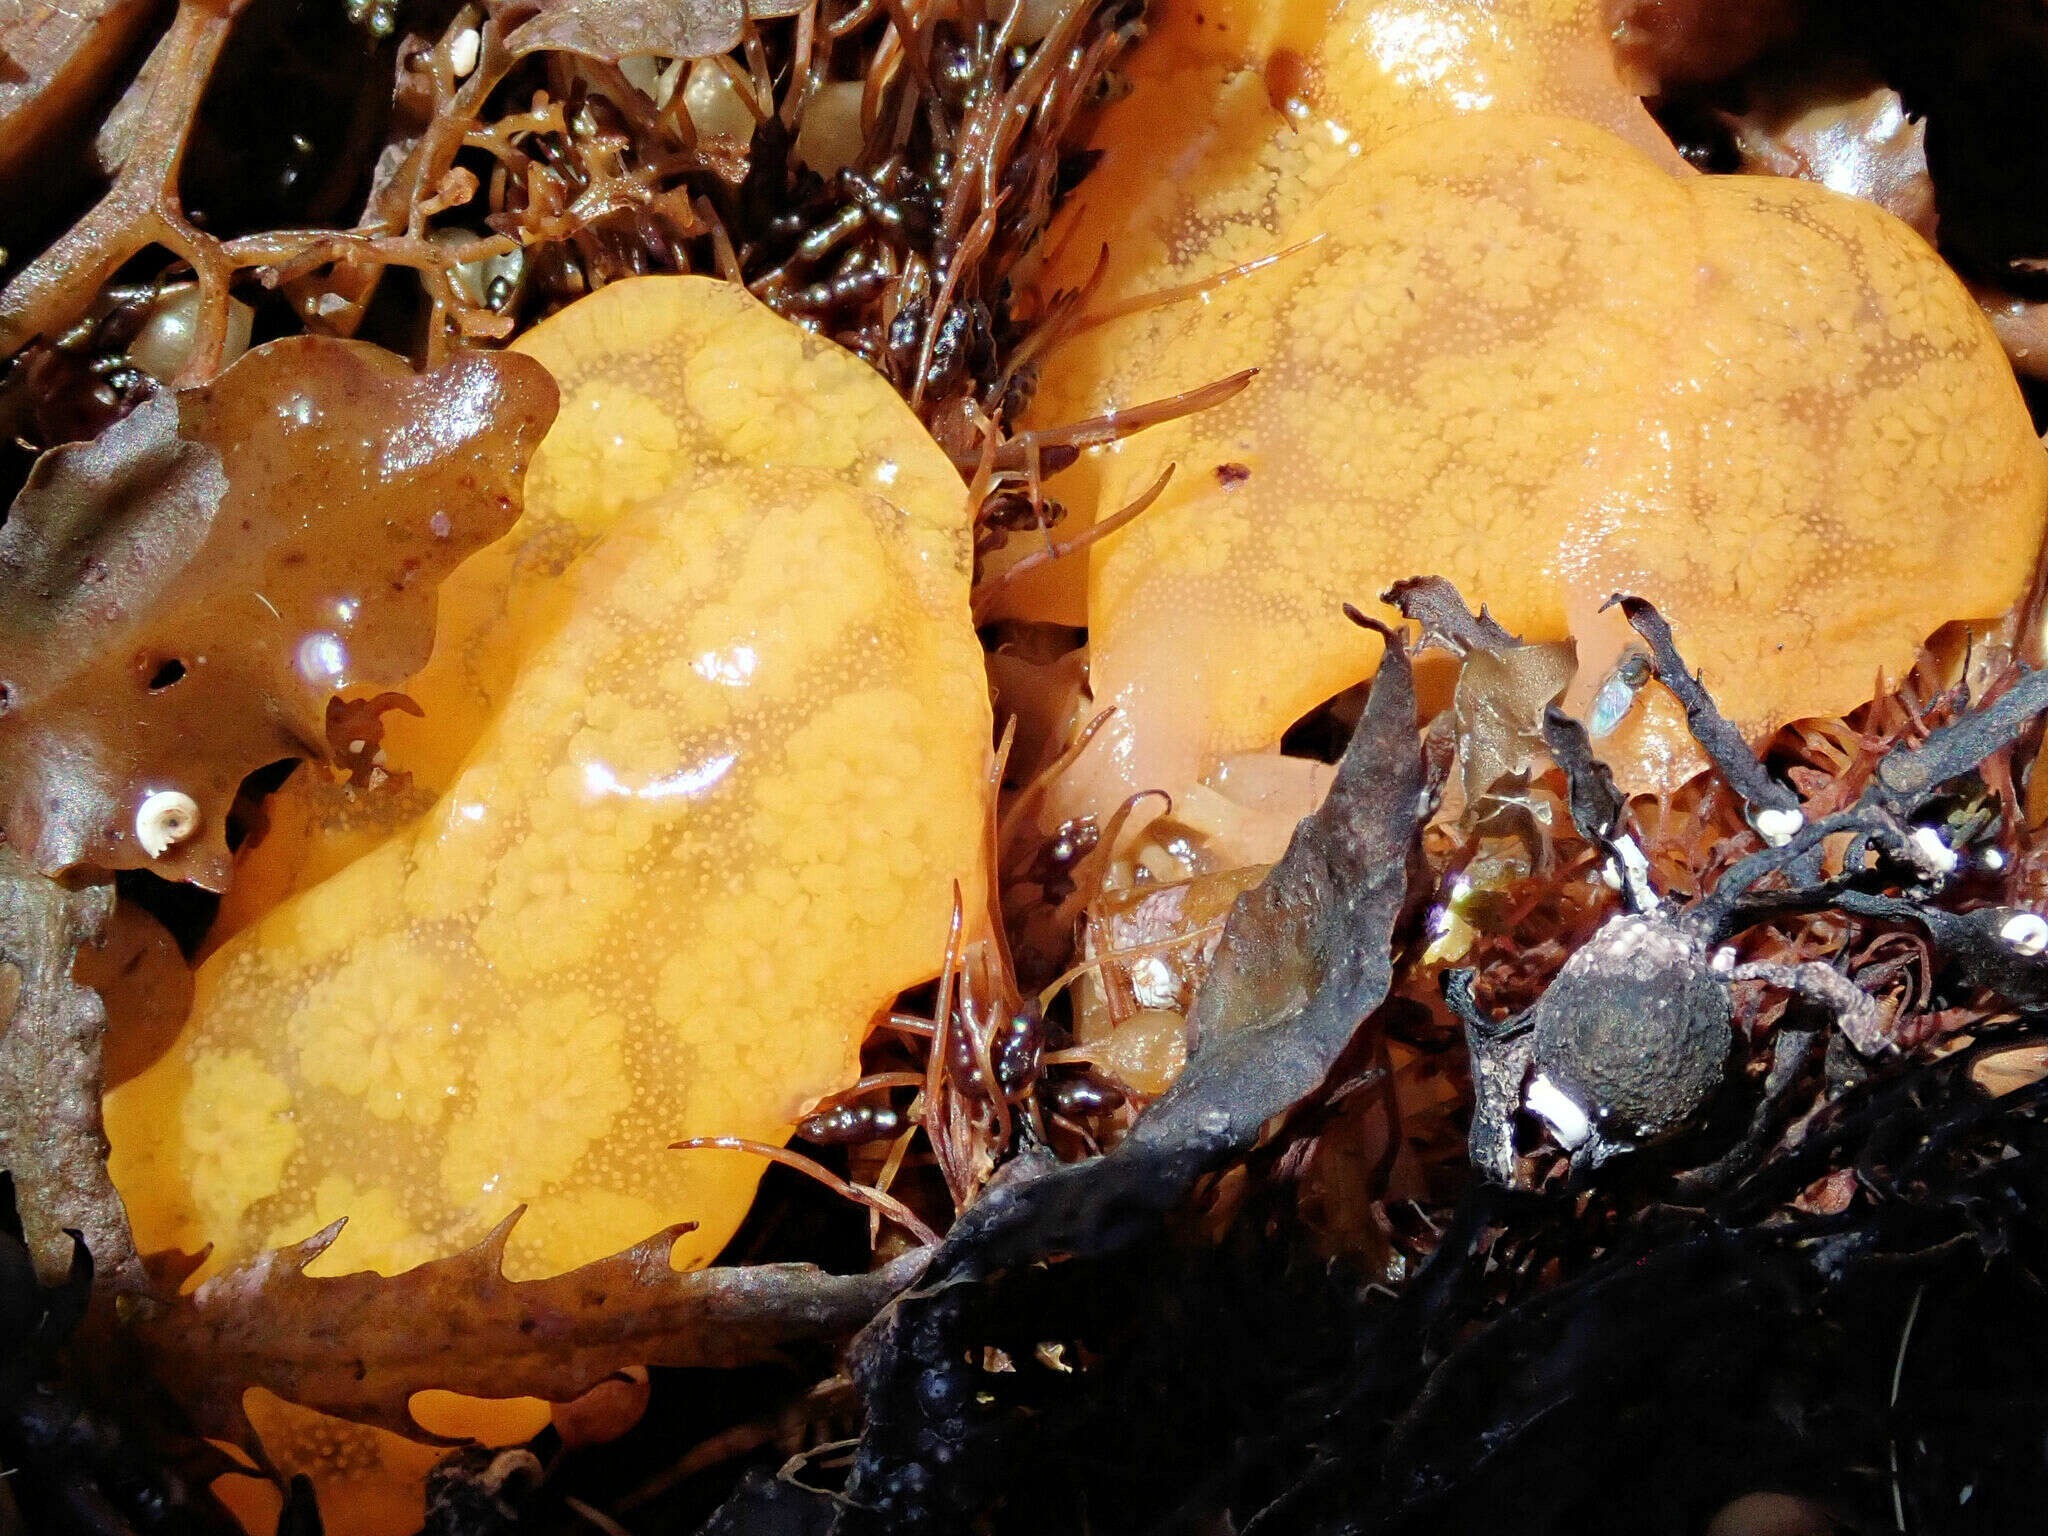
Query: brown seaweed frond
point(1059, 549)
point(1697, 834)
point(907, 254)
point(515, 175)
point(142, 207)
point(879, 1200)
point(519, 167)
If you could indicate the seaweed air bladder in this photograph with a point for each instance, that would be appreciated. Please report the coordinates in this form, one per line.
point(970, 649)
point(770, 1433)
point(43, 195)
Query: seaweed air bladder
point(1513, 339)
point(710, 735)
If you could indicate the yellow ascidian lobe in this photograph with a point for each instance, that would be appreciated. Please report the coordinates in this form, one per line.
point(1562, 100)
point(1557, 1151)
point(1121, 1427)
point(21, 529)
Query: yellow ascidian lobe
point(704, 828)
point(1509, 346)
point(1239, 114)
point(663, 380)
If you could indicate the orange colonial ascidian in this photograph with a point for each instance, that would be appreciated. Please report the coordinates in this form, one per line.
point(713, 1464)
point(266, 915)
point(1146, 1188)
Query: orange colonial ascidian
point(1512, 341)
point(709, 734)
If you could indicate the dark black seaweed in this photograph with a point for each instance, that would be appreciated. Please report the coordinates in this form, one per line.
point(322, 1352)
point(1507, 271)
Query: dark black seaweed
point(81, 1470)
point(1694, 1354)
point(1597, 806)
point(1622, 1353)
point(938, 1439)
point(1436, 605)
point(1722, 743)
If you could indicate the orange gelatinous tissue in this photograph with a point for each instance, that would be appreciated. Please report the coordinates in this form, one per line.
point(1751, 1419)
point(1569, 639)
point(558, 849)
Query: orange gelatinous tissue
point(1508, 346)
point(710, 733)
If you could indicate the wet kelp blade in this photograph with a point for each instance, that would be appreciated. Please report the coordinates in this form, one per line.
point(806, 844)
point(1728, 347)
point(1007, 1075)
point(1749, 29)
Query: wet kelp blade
point(1305, 957)
point(181, 596)
point(1597, 806)
point(361, 1346)
point(1496, 722)
point(1439, 608)
point(51, 1137)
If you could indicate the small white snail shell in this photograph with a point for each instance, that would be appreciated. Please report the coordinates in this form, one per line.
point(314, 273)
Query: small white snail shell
point(1572, 1126)
point(165, 819)
point(464, 50)
point(1777, 827)
point(1935, 854)
point(2026, 932)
